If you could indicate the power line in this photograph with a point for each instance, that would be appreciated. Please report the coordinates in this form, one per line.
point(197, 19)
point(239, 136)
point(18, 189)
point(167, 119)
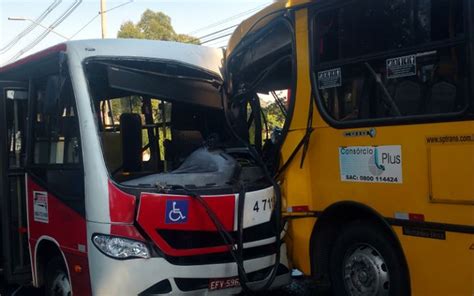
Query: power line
point(217, 42)
point(226, 20)
point(221, 41)
point(118, 6)
point(220, 44)
point(219, 37)
point(214, 33)
point(83, 27)
point(97, 15)
point(30, 28)
point(224, 29)
point(56, 23)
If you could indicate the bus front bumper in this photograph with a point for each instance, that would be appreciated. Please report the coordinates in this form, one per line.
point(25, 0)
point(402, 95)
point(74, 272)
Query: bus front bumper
point(156, 276)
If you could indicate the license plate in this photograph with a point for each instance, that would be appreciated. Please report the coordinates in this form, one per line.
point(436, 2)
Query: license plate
point(219, 284)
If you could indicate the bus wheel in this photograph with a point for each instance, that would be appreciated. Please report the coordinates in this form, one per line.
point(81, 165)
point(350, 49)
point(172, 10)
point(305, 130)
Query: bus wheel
point(365, 262)
point(57, 280)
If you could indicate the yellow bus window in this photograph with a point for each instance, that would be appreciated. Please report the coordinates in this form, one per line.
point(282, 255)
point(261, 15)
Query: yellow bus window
point(387, 59)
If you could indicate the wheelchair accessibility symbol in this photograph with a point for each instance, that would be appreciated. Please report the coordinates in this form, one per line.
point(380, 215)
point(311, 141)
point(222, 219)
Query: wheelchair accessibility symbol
point(176, 211)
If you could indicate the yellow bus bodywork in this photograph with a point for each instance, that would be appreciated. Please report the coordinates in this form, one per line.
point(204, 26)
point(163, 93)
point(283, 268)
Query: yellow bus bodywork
point(438, 181)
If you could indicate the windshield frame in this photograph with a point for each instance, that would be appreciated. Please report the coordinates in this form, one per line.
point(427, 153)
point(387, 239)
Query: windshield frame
point(209, 77)
point(283, 17)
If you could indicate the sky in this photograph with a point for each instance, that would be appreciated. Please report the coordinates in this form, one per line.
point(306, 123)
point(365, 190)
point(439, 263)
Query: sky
point(187, 16)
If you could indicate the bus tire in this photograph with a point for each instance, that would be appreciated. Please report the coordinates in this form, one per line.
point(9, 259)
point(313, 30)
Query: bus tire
point(365, 261)
point(57, 279)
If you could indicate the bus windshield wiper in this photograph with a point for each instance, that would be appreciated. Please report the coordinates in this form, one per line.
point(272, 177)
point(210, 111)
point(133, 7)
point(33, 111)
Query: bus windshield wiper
point(387, 98)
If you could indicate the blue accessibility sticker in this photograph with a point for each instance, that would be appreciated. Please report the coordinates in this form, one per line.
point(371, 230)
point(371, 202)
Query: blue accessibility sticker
point(176, 211)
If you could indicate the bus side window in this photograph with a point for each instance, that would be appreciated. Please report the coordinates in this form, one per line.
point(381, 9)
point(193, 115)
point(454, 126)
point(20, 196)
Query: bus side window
point(374, 60)
point(56, 160)
point(16, 104)
point(56, 139)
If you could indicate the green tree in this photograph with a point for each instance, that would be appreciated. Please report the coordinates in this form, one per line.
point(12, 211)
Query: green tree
point(187, 39)
point(156, 26)
point(275, 117)
point(129, 30)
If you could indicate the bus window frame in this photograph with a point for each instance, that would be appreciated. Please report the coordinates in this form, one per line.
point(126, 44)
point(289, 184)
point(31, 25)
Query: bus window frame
point(32, 168)
point(10, 273)
point(470, 27)
point(287, 17)
point(463, 115)
point(32, 103)
point(95, 109)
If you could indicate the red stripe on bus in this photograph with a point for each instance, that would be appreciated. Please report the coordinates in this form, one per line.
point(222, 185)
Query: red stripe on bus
point(121, 204)
point(34, 57)
point(127, 231)
point(152, 218)
point(64, 226)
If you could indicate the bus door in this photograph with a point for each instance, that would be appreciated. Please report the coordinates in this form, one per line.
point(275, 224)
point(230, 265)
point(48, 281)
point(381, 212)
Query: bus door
point(14, 246)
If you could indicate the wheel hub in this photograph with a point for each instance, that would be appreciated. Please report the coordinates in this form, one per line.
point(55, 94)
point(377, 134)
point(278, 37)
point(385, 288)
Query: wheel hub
point(61, 285)
point(363, 276)
point(365, 272)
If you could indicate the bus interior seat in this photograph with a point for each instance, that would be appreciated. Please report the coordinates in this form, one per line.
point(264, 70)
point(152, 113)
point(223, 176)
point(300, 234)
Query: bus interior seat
point(183, 143)
point(332, 102)
point(353, 100)
point(41, 143)
point(409, 97)
point(70, 139)
point(443, 91)
point(41, 149)
point(112, 146)
point(131, 130)
point(407, 94)
point(363, 103)
point(442, 98)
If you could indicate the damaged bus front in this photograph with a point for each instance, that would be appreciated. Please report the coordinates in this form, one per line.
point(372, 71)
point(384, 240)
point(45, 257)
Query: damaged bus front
point(183, 189)
point(134, 183)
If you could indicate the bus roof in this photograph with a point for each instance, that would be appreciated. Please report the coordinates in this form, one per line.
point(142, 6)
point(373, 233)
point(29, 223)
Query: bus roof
point(260, 19)
point(207, 58)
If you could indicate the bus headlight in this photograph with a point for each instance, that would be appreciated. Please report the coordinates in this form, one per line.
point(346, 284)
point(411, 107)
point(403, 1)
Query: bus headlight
point(119, 247)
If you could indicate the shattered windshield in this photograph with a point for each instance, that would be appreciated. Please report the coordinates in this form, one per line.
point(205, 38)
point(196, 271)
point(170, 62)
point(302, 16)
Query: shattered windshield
point(152, 115)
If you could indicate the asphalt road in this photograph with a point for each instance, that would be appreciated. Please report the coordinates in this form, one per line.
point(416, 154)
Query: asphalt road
point(300, 286)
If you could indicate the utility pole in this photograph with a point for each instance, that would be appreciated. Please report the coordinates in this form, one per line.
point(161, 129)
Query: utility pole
point(103, 19)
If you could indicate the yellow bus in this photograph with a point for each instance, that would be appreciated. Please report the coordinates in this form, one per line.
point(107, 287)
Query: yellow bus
point(363, 110)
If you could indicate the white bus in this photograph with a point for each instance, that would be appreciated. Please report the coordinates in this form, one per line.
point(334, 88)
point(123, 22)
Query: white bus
point(120, 176)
